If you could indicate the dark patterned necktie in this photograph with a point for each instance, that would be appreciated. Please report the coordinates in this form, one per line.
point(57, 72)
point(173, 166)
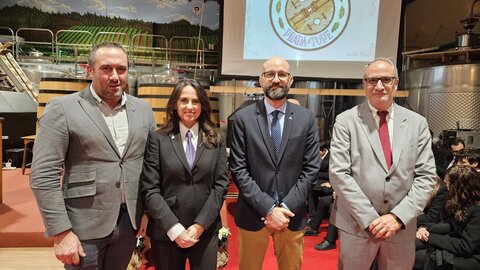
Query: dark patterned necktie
point(190, 151)
point(276, 133)
point(385, 137)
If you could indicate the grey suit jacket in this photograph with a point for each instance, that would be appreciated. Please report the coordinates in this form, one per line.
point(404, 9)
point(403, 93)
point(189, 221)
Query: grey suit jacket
point(258, 175)
point(74, 139)
point(364, 186)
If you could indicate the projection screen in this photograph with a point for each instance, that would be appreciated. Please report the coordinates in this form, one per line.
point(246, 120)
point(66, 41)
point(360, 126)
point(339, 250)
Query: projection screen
point(319, 38)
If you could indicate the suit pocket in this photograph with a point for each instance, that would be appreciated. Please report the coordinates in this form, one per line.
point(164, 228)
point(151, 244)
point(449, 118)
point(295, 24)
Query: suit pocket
point(297, 138)
point(80, 185)
point(171, 201)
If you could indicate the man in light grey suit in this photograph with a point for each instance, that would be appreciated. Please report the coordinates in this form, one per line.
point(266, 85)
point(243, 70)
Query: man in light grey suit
point(95, 139)
point(380, 188)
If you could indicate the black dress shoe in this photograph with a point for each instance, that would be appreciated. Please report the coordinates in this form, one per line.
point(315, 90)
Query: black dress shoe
point(310, 232)
point(325, 245)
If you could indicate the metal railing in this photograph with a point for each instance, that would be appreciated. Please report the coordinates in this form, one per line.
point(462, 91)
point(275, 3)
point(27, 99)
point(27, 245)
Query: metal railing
point(76, 48)
point(25, 42)
point(12, 35)
point(178, 51)
point(140, 54)
point(184, 50)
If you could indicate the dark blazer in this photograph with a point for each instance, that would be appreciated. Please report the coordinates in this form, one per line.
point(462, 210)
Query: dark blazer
point(323, 177)
point(432, 213)
point(256, 173)
point(173, 193)
point(463, 240)
point(73, 137)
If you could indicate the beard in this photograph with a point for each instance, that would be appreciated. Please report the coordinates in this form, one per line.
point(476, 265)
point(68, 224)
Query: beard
point(276, 93)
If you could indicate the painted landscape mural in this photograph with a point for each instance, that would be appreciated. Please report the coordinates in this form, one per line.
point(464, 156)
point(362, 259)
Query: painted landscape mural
point(170, 27)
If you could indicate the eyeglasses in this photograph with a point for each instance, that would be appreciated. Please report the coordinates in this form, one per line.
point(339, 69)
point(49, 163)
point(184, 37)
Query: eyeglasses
point(384, 80)
point(270, 75)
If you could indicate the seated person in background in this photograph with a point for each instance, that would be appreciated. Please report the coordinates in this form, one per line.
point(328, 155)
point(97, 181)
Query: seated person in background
point(320, 198)
point(322, 212)
point(455, 147)
point(329, 242)
point(469, 157)
point(432, 212)
point(442, 155)
point(332, 235)
point(455, 242)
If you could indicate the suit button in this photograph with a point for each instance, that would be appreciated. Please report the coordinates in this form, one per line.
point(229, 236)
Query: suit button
point(387, 179)
point(385, 201)
point(117, 184)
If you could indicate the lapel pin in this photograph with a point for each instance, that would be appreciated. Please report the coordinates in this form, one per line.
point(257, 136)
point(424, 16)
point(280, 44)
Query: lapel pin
point(172, 137)
point(290, 118)
point(403, 124)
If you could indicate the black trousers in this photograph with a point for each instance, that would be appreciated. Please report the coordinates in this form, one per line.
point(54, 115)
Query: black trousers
point(332, 233)
point(202, 256)
point(323, 209)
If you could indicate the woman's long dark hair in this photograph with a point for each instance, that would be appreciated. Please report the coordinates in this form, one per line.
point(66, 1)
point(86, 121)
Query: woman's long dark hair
point(210, 135)
point(463, 191)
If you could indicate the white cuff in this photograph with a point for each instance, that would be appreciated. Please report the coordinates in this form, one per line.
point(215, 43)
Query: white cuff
point(175, 231)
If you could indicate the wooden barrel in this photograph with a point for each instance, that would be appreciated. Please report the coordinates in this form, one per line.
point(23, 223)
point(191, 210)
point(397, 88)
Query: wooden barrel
point(157, 96)
point(55, 87)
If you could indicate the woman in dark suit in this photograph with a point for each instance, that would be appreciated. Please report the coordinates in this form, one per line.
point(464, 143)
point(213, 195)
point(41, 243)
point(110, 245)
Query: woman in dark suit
point(454, 243)
point(183, 194)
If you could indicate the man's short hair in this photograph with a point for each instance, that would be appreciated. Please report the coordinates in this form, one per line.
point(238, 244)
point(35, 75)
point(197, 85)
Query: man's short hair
point(93, 52)
point(457, 141)
point(382, 59)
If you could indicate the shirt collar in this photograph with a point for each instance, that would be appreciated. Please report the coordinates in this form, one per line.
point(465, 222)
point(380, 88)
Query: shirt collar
point(99, 99)
point(374, 111)
point(184, 129)
point(270, 108)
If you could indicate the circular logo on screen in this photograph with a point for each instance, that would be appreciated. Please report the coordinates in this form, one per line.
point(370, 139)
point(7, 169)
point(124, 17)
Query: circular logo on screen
point(309, 24)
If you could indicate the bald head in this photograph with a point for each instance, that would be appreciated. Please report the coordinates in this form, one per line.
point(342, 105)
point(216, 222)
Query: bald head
point(276, 61)
point(276, 78)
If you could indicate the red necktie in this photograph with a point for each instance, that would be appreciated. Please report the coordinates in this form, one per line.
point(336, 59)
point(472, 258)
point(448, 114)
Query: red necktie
point(385, 138)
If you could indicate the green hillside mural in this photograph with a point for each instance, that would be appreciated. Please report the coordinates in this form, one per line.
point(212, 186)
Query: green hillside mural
point(75, 32)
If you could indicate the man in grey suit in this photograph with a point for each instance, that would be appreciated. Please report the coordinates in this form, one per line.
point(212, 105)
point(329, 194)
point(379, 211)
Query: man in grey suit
point(383, 171)
point(274, 162)
point(87, 161)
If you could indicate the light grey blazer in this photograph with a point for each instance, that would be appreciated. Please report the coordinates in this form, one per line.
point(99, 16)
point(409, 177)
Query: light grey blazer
point(72, 135)
point(364, 186)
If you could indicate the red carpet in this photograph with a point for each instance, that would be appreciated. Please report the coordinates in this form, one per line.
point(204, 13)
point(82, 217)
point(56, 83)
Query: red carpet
point(312, 259)
point(21, 226)
point(20, 222)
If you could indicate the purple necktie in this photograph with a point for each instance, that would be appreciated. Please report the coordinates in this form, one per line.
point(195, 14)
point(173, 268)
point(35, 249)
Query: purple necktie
point(385, 137)
point(190, 151)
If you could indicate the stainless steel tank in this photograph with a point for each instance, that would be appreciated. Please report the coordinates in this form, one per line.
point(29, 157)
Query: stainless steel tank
point(326, 108)
point(229, 102)
point(448, 96)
